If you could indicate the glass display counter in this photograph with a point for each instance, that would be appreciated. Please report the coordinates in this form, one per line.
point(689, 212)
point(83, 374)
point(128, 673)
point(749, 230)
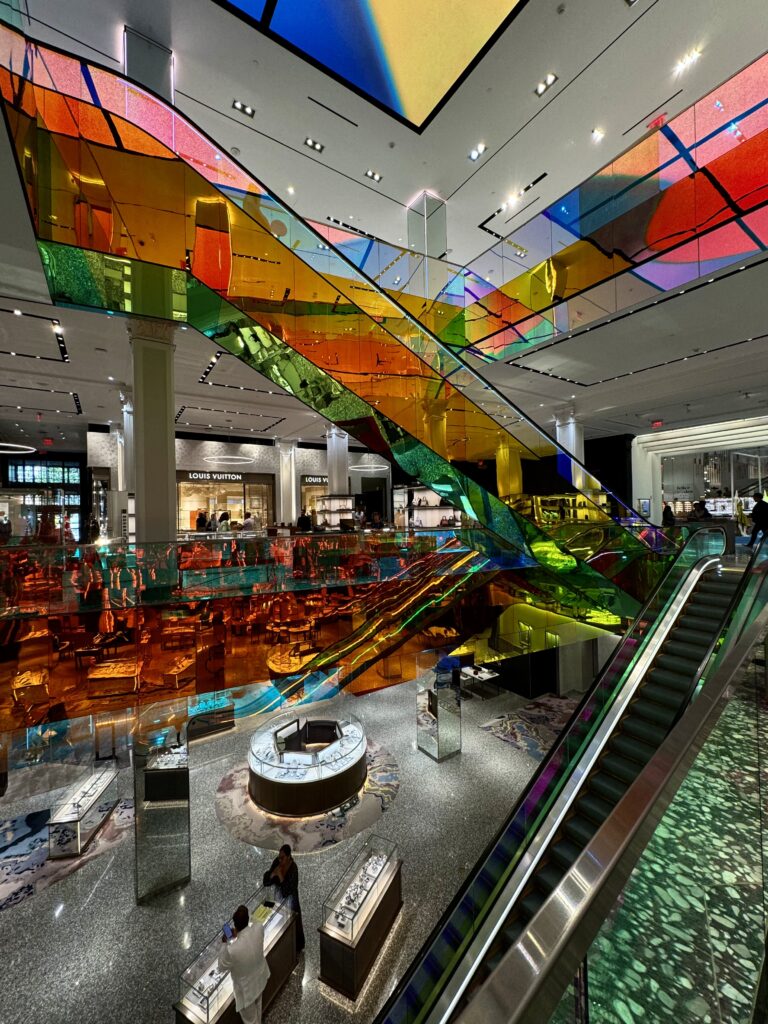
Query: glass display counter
point(166, 773)
point(438, 722)
point(358, 916)
point(206, 994)
point(80, 812)
point(301, 765)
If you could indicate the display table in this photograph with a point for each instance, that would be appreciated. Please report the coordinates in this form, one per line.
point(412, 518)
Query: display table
point(173, 637)
point(30, 688)
point(114, 678)
point(182, 670)
point(206, 995)
point(358, 916)
point(484, 681)
point(307, 765)
point(81, 811)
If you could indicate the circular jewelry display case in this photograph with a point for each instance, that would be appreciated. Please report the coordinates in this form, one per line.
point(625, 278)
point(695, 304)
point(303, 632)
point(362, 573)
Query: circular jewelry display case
point(301, 765)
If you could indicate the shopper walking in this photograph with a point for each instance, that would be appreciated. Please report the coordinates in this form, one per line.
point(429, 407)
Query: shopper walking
point(283, 873)
point(759, 517)
point(244, 958)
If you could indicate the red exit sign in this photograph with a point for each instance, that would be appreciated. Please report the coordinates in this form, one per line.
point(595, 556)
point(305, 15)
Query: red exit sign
point(657, 424)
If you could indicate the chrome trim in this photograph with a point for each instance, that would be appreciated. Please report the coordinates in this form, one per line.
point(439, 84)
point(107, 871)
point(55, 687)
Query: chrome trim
point(473, 957)
point(531, 978)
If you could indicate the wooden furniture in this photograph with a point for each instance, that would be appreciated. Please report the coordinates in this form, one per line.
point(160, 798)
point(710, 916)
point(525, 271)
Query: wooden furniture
point(112, 678)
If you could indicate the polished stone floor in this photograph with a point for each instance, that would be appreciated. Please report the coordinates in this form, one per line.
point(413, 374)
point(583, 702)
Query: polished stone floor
point(82, 951)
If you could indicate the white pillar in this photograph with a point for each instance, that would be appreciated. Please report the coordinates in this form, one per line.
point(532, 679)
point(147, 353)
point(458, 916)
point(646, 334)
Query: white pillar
point(570, 436)
point(154, 430)
point(286, 511)
point(337, 444)
point(646, 478)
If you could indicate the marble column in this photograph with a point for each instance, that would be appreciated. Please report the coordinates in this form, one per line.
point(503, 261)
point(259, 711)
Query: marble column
point(286, 498)
point(337, 444)
point(154, 462)
point(509, 470)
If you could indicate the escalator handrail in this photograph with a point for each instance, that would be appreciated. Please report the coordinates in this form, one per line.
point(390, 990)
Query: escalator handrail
point(733, 604)
point(402, 986)
point(531, 978)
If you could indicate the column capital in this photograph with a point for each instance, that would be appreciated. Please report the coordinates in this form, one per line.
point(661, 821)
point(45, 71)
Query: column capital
point(160, 331)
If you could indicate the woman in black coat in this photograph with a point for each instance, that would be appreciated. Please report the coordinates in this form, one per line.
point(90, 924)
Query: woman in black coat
point(283, 874)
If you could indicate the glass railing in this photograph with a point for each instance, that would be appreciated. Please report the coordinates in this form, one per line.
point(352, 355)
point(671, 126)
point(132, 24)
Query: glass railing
point(686, 937)
point(445, 949)
point(306, 318)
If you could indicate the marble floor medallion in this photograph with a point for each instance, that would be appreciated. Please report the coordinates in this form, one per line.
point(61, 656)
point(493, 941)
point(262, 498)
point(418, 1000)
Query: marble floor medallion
point(246, 822)
point(535, 727)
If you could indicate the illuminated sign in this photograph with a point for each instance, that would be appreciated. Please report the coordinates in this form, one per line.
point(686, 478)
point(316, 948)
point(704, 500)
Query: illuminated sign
point(317, 481)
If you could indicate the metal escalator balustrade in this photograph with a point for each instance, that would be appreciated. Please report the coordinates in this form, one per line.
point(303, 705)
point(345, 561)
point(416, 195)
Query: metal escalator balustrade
point(474, 916)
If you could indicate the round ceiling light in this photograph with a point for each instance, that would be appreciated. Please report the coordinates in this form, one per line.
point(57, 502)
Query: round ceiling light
point(8, 448)
point(229, 460)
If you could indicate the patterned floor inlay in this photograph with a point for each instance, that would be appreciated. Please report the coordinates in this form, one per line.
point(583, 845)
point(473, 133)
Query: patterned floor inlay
point(248, 823)
point(535, 727)
point(25, 868)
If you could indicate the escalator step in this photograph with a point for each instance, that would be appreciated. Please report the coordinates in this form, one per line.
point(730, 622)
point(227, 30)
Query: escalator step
point(663, 695)
point(689, 652)
point(511, 934)
point(530, 904)
point(680, 666)
point(549, 877)
point(669, 680)
point(702, 610)
point(643, 730)
point(660, 715)
point(714, 599)
point(691, 635)
point(564, 852)
point(594, 807)
point(621, 768)
point(701, 622)
point(608, 786)
point(632, 748)
point(580, 830)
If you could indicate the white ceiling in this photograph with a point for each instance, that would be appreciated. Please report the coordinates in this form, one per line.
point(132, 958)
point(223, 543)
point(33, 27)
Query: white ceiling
point(615, 67)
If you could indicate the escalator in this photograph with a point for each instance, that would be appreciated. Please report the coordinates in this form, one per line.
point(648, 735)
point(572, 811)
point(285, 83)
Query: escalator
point(635, 701)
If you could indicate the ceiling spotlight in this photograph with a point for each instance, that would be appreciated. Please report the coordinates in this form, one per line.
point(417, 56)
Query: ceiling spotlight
point(110, 378)
point(291, 190)
point(373, 174)
point(314, 144)
point(546, 83)
point(685, 62)
point(243, 108)
point(17, 312)
point(477, 152)
point(598, 134)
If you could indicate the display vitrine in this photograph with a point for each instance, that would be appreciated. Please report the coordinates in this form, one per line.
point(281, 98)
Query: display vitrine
point(80, 812)
point(166, 774)
point(438, 722)
point(305, 765)
point(358, 915)
point(205, 989)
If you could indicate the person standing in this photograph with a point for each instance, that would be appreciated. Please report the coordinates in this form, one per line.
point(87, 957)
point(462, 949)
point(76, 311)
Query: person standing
point(283, 873)
point(304, 522)
point(201, 523)
point(759, 515)
point(667, 515)
point(244, 959)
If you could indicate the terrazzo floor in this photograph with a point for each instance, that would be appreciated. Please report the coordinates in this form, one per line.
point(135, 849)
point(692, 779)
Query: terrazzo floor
point(81, 950)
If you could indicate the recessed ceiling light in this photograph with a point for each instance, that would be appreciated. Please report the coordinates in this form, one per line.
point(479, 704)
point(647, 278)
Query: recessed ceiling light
point(314, 144)
point(17, 312)
point(291, 190)
point(373, 174)
point(477, 152)
point(546, 83)
point(243, 108)
point(598, 134)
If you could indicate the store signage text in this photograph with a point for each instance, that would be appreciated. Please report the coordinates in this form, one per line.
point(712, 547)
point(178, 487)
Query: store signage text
point(234, 477)
point(321, 481)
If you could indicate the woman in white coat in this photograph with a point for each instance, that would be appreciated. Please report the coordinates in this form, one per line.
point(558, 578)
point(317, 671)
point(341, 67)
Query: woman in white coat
point(244, 958)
